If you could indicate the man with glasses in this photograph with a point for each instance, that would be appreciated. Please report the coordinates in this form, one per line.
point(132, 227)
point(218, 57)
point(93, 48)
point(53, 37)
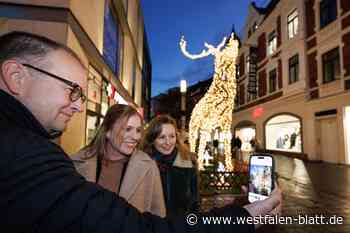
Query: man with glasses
point(42, 85)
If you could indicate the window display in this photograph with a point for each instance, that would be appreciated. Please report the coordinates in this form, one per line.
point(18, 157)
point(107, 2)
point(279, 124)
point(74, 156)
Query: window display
point(283, 133)
point(246, 135)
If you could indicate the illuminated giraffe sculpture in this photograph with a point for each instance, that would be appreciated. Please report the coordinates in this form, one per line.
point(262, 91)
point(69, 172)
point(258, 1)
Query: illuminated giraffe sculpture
point(214, 110)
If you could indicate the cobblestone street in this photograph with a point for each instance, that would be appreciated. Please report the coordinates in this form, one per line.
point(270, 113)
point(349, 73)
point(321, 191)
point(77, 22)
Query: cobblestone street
point(311, 189)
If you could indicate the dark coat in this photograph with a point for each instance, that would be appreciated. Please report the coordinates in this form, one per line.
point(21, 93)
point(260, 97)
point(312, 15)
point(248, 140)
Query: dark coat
point(180, 187)
point(42, 192)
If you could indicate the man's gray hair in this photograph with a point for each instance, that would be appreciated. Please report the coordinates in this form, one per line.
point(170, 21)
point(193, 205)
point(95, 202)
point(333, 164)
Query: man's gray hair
point(27, 46)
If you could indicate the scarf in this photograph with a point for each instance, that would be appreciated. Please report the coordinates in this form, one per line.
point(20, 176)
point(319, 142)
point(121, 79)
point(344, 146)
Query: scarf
point(164, 162)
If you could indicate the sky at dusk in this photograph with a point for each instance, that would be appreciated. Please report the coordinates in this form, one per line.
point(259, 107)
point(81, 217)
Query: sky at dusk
point(199, 21)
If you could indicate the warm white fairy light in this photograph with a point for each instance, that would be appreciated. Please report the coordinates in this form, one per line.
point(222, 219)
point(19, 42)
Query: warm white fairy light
point(214, 110)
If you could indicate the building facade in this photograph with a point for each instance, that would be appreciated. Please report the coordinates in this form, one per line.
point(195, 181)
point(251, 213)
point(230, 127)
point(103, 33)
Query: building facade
point(108, 36)
point(294, 77)
point(170, 102)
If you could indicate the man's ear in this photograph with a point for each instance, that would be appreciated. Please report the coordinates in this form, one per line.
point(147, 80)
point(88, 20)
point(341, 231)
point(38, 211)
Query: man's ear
point(13, 76)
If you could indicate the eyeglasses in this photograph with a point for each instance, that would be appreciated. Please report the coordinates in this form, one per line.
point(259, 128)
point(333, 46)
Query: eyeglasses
point(76, 91)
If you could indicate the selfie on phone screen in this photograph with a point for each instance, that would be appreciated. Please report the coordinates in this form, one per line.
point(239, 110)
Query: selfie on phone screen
point(261, 168)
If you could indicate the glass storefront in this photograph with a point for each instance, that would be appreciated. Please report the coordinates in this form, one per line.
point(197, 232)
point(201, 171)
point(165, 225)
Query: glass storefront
point(91, 124)
point(283, 133)
point(347, 134)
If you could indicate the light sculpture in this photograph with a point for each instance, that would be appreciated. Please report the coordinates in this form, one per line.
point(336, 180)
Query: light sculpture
point(214, 110)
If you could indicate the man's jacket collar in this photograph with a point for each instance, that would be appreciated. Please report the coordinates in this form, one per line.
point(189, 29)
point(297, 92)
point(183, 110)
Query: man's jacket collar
point(14, 112)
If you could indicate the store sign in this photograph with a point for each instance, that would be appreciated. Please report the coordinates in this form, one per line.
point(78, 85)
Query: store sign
point(258, 112)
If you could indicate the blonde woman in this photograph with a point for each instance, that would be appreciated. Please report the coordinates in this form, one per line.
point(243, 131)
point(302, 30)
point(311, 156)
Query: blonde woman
point(113, 161)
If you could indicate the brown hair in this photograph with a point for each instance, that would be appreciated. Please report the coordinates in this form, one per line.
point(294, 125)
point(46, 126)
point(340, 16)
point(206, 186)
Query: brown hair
point(97, 146)
point(154, 129)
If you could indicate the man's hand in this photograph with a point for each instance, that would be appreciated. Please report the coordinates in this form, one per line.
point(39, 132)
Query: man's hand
point(270, 206)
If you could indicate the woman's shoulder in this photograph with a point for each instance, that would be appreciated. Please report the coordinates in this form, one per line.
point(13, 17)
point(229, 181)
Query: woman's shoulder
point(85, 164)
point(141, 160)
point(140, 157)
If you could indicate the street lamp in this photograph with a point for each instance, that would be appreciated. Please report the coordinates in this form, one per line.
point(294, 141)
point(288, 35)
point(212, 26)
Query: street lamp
point(183, 89)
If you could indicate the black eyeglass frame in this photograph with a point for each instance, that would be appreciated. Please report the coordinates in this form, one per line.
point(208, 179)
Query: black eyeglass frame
point(73, 85)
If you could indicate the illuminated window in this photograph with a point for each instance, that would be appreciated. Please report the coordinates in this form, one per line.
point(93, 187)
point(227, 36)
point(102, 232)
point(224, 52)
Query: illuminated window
point(272, 43)
point(283, 132)
point(293, 24)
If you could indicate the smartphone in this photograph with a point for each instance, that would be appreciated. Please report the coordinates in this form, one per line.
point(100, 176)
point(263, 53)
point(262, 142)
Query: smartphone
point(261, 177)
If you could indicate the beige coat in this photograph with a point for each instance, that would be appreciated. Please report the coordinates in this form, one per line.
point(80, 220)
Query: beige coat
point(141, 185)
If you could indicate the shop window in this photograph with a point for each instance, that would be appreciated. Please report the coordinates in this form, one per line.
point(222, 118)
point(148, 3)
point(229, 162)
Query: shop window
point(347, 134)
point(97, 102)
point(293, 24)
point(283, 133)
point(272, 43)
point(91, 127)
point(94, 89)
point(111, 39)
point(294, 69)
point(273, 80)
point(331, 65)
point(328, 12)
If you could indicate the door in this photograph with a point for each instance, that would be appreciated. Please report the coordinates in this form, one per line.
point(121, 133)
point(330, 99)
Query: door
point(329, 140)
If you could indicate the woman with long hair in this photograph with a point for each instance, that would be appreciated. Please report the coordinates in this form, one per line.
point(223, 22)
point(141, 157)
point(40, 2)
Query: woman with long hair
point(113, 161)
point(177, 165)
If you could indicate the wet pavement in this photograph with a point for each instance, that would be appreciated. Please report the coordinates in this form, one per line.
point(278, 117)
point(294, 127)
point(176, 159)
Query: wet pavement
point(309, 189)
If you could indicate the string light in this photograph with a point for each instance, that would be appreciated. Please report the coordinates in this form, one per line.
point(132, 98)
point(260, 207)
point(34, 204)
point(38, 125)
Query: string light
point(214, 110)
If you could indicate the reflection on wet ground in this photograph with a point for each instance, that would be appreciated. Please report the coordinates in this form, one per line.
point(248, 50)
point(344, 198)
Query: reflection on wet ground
point(309, 189)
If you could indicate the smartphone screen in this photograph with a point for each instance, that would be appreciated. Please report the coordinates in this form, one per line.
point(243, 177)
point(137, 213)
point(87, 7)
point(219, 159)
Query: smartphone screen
point(260, 177)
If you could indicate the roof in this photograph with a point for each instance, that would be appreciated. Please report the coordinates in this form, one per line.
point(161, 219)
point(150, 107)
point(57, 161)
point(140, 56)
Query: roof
point(266, 10)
